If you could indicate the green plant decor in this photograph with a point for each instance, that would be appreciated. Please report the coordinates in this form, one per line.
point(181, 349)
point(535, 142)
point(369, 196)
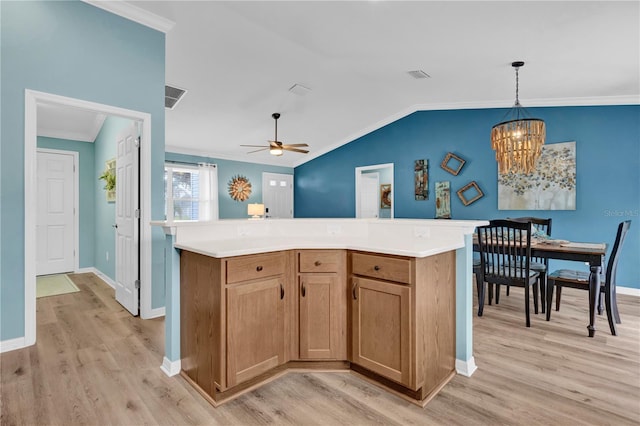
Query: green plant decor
point(109, 178)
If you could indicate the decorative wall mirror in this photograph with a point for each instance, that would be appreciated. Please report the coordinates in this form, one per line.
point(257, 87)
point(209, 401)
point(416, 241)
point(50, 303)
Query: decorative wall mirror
point(470, 193)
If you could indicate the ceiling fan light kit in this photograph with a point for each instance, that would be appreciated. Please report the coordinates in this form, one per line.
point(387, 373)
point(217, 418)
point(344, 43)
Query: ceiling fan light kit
point(277, 148)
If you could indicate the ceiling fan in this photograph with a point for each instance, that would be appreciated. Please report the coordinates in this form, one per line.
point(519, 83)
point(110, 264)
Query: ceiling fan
point(275, 146)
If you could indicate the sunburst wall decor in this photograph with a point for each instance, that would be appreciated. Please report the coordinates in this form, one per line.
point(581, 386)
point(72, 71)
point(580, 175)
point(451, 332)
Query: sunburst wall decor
point(239, 188)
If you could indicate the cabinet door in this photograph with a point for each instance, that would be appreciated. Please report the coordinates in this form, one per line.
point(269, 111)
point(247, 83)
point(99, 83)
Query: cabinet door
point(381, 334)
point(255, 329)
point(318, 319)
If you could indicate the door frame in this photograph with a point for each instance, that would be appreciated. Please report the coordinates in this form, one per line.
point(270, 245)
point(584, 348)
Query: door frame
point(359, 171)
point(31, 100)
point(76, 198)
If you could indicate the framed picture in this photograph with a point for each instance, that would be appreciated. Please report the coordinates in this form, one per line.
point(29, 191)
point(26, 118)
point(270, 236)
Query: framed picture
point(109, 176)
point(385, 196)
point(421, 179)
point(443, 200)
point(452, 163)
point(470, 193)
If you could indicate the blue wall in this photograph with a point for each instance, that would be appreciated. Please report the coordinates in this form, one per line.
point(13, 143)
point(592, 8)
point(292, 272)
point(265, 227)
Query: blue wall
point(608, 173)
point(228, 208)
point(77, 50)
point(86, 176)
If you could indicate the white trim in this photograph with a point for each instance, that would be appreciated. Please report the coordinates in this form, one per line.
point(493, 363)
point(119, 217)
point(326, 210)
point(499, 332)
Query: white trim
point(32, 98)
point(628, 291)
point(466, 368)
point(170, 368)
point(12, 344)
point(135, 14)
point(155, 313)
point(76, 199)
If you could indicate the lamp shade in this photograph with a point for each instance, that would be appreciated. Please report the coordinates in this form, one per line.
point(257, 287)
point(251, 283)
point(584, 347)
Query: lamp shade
point(255, 210)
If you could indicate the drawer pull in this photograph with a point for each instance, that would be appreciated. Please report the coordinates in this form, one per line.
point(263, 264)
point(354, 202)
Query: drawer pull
point(281, 292)
point(353, 290)
point(317, 263)
point(303, 290)
point(258, 268)
point(377, 268)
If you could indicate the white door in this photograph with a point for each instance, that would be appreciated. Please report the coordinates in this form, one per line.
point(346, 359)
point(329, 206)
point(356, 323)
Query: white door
point(55, 215)
point(277, 195)
point(127, 224)
point(369, 195)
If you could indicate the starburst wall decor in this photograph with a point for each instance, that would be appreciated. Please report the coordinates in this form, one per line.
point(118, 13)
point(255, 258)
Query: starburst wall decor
point(239, 188)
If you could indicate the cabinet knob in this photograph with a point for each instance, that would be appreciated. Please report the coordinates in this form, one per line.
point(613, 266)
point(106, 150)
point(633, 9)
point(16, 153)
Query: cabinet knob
point(377, 268)
point(259, 268)
point(317, 263)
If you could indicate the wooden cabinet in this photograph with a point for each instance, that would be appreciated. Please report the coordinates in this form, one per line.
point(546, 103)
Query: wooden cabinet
point(322, 304)
point(381, 328)
point(403, 319)
point(255, 329)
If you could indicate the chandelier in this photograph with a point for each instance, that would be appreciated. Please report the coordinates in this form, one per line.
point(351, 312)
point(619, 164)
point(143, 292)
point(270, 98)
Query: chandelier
point(517, 141)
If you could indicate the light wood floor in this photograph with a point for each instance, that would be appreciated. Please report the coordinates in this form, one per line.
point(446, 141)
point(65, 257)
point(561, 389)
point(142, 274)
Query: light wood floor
point(95, 364)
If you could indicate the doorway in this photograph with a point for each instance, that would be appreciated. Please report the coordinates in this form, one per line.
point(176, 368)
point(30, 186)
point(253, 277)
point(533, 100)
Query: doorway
point(32, 100)
point(277, 195)
point(365, 176)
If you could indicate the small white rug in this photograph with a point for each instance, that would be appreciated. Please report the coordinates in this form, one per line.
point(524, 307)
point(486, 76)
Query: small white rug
point(53, 285)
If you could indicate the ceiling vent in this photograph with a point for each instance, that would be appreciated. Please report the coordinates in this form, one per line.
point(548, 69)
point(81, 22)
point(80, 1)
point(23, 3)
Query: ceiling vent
point(299, 89)
point(418, 74)
point(172, 96)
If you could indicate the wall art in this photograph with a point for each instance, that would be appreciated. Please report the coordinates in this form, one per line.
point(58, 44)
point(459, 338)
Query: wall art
point(452, 163)
point(385, 196)
point(470, 193)
point(239, 188)
point(443, 200)
point(551, 186)
point(421, 179)
point(109, 177)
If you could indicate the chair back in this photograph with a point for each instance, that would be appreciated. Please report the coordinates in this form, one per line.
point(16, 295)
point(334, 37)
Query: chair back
point(542, 225)
point(612, 265)
point(505, 252)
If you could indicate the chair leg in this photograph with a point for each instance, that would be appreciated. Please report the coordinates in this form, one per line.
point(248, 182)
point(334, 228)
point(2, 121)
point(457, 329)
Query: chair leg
point(526, 305)
point(543, 291)
point(490, 292)
point(558, 294)
point(480, 287)
point(508, 287)
point(535, 297)
point(497, 293)
point(601, 303)
point(614, 306)
point(549, 291)
point(610, 317)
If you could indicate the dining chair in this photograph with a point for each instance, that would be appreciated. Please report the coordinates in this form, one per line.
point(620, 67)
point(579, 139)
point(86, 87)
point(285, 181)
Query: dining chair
point(580, 280)
point(505, 253)
point(539, 227)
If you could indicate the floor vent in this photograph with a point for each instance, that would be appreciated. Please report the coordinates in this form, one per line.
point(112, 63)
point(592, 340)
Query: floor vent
point(172, 96)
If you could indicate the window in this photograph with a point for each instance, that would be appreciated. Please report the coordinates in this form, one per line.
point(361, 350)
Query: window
point(191, 192)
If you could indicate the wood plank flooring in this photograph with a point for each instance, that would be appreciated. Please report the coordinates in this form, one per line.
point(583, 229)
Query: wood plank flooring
point(94, 364)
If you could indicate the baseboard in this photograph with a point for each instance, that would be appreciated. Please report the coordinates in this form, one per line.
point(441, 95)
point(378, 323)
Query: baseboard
point(13, 344)
point(628, 291)
point(154, 313)
point(466, 368)
point(170, 368)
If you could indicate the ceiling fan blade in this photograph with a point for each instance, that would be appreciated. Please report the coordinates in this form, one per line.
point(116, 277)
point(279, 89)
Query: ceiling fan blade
point(288, 148)
point(296, 144)
point(261, 149)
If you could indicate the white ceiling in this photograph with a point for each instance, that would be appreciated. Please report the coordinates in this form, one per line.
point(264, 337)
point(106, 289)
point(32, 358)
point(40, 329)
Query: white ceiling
point(238, 59)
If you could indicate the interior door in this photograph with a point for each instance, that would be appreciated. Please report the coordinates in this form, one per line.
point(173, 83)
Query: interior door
point(369, 197)
point(277, 195)
point(55, 223)
point(127, 224)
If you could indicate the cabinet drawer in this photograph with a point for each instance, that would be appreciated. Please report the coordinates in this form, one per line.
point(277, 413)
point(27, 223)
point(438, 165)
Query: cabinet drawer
point(252, 267)
point(386, 268)
point(319, 261)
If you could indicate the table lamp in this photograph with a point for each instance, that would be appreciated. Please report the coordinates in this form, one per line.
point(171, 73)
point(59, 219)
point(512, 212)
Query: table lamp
point(255, 210)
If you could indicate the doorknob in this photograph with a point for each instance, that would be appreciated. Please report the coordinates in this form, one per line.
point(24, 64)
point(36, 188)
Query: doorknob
point(115, 225)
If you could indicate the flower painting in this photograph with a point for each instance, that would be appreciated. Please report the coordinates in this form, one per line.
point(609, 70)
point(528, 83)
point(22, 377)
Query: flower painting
point(551, 186)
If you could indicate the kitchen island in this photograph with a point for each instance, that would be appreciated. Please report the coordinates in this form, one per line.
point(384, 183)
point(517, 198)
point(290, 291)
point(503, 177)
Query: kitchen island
point(255, 299)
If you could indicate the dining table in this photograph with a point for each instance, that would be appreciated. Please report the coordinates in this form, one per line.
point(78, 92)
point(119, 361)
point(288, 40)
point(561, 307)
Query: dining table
point(591, 253)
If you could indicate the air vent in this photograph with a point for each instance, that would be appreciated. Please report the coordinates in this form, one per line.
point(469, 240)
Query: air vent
point(172, 96)
point(299, 89)
point(418, 74)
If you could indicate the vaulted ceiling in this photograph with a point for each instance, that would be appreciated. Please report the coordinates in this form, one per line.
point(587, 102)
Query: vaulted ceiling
point(239, 59)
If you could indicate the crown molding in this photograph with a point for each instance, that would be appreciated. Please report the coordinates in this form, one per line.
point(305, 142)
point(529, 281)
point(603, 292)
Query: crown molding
point(134, 13)
point(213, 156)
